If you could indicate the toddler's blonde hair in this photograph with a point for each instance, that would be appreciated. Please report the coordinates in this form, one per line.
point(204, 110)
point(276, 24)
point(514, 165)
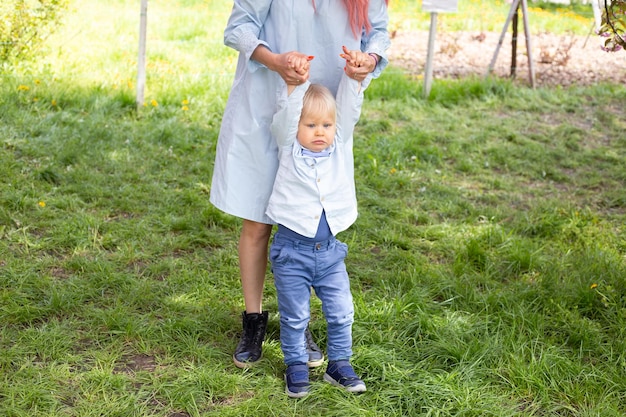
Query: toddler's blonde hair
point(318, 100)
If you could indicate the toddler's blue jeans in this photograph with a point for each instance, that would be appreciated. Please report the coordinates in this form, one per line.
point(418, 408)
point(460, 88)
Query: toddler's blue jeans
point(297, 266)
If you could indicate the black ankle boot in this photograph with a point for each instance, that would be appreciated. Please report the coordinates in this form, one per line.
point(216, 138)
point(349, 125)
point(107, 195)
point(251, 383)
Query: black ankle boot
point(249, 349)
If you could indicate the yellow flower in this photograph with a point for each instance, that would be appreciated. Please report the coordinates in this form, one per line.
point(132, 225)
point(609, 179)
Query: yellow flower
point(185, 102)
point(37, 82)
point(593, 286)
point(392, 171)
point(42, 204)
point(185, 108)
point(53, 102)
point(23, 88)
point(154, 103)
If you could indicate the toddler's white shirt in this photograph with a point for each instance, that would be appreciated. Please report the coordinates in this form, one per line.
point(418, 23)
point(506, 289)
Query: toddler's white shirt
point(306, 186)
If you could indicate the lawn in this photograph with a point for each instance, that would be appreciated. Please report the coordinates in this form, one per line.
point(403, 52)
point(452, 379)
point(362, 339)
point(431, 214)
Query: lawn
point(488, 262)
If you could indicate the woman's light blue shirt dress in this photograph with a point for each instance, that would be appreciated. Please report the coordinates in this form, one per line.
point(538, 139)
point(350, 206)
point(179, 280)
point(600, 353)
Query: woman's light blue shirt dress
point(247, 157)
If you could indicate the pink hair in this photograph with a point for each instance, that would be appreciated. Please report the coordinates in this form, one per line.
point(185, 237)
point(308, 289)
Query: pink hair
point(357, 12)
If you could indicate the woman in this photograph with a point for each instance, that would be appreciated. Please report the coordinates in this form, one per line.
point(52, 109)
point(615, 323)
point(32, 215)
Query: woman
point(267, 33)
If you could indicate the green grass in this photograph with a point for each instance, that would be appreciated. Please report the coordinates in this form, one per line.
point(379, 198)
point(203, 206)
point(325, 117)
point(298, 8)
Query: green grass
point(487, 262)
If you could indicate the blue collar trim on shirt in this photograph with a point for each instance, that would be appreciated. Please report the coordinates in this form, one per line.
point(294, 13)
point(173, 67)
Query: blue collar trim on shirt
point(306, 152)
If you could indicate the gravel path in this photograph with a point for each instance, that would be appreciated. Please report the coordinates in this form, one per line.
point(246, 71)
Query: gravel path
point(558, 60)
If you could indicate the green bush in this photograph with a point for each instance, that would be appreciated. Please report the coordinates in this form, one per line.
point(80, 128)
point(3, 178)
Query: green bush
point(24, 24)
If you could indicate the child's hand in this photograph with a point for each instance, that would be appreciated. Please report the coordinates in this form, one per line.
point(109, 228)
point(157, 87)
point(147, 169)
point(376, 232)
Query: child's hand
point(358, 64)
point(355, 58)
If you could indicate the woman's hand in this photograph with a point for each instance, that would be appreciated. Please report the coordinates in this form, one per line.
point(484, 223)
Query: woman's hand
point(293, 67)
point(358, 64)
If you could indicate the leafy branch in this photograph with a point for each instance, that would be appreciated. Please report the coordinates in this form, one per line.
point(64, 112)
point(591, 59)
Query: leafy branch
point(613, 25)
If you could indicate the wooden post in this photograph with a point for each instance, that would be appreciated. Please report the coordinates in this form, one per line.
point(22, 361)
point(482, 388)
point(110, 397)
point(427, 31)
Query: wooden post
point(514, 43)
point(428, 76)
point(514, 6)
point(141, 61)
point(434, 7)
point(531, 67)
point(529, 49)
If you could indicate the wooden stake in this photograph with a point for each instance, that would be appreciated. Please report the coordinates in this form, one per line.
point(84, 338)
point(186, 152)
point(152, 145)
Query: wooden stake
point(514, 43)
point(428, 76)
point(529, 49)
point(141, 61)
point(531, 67)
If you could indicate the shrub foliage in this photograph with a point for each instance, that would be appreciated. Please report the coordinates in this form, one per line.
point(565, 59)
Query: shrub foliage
point(24, 24)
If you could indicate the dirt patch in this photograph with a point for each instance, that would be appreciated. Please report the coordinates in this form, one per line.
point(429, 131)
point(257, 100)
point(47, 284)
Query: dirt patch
point(136, 363)
point(558, 60)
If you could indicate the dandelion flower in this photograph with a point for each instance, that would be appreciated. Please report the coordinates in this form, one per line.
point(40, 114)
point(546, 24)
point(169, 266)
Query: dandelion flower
point(42, 204)
point(185, 102)
point(23, 88)
point(593, 286)
point(53, 102)
point(392, 171)
point(185, 108)
point(154, 103)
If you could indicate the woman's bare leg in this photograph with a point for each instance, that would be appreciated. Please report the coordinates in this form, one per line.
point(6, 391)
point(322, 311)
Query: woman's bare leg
point(253, 244)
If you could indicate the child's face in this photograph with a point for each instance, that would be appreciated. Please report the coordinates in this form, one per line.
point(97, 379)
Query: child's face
point(316, 132)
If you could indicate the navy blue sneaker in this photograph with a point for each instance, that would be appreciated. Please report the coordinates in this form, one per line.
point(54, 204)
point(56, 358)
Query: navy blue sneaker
point(316, 357)
point(341, 374)
point(297, 380)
